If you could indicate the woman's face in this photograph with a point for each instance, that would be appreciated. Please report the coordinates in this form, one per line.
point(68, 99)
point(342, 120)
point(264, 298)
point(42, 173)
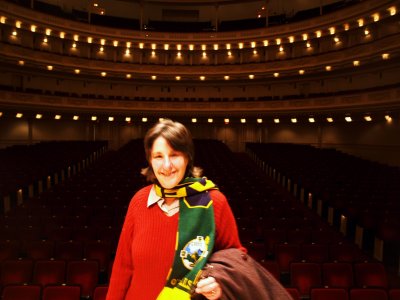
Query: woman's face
point(169, 165)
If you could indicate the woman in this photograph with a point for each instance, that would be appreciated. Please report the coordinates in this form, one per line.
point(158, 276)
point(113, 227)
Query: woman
point(171, 226)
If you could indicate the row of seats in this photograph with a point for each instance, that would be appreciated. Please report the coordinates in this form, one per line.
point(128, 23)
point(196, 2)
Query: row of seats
point(49, 292)
point(352, 294)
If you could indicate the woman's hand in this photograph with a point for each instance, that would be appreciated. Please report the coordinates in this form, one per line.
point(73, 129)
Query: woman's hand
point(209, 288)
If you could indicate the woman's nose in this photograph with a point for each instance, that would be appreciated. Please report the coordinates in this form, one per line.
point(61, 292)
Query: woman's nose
point(167, 162)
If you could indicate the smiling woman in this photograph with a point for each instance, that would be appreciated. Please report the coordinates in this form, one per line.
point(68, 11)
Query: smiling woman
point(172, 226)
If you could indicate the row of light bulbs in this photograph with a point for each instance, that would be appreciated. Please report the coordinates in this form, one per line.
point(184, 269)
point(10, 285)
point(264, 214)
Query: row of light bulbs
point(328, 68)
point(348, 118)
point(191, 47)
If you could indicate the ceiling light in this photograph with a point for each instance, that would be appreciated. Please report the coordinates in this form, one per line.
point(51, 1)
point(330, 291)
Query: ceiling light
point(226, 121)
point(376, 17)
point(228, 46)
point(356, 63)
point(278, 41)
point(3, 20)
point(202, 77)
point(76, 38)
point(318, 33)
point(48, 31)
point(166, 47)
point(242, 121)
point(115, 43)
point(179, 47)
point(360, 22)
point(33, 28)
point(128, 76)
point(251, 76)
point(75, 118)
point(204, 47)
point(276, 120)
point(153, 46)
point(77, 71)
point(21, 62)
point(178, 77)
point(191, 47)
point(301, 72)
point(18, 24)
point(110, 119)
point(128, 119)
point(194, 120)
point(144, 119)
point(93, 118)
point(240, 45)
point(305, 36)
point(392, 10)
point(328, 68)
point(39, 116)
point(368, 118)
point(276, 74)
point(226, 77)
point(329, 119)
point(311, 120)
point(215, 46)
point(346, 27)
point(50, 68)
point(19, 115)
point(153, 77)
point(385, 56)
point(332, 30)
point(141, 45)
point(348, 119)
point(259, 121)
point(57, 117)
point(388, 118)
point(103, 74)
point(210, 120)
point(89, 40)
point(291, 39)
point(62, 35)
point(293, 120)
point(128, 44)
point(265, 42)
point(253, 44)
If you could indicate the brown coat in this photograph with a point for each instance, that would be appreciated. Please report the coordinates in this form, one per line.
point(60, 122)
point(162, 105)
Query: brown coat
point(242, 278)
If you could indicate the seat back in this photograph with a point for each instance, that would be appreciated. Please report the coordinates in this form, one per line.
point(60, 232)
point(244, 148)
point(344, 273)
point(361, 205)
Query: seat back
point(23, 292)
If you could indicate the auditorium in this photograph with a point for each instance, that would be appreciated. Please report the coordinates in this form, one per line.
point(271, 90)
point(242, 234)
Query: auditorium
point(294, 109)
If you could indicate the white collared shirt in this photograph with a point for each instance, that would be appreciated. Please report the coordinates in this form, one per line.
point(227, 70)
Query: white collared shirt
point(169, 210)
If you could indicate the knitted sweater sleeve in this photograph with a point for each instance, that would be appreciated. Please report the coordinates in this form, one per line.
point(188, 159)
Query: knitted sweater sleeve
point(227, 235)
point(123, 265)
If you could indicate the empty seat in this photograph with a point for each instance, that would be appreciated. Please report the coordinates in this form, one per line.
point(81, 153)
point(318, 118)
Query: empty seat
point(304, 277)
point(344, 253)
point(100, 292)
point(100, 251)
point(61, 292)
point(370, 274)
point(39, 249)
point(394, 294)
point(47, 272)
point(272, 237)
point(16, 271)
point(21, 292)
point(368, 294)
point(69, 250)
point(317, 253)
point(285, 254)
point(84, 273)
point(299, 236)
point(329, 294)
point(9, 249)
point(337, 274)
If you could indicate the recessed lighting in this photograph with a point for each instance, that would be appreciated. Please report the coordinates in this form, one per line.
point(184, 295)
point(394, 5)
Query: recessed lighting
point(356, 63)
point(110, 119)
point(48, 31)
point(329, 119)
point(242, 121)
point(128, 119)
point(259, 121)
point(301, 72)
point(210, 120)
point(311, 120)
point(202, 78)
point(226, 77)
point(226, 121)
point(75, 118)
point(293, 120)
point(385, 56)
point(39, 116)
point(77, 71)
point(103, 74)
point(21, 62)
point(57, 117)
point(93, 118)
point(276, 120)
point(19, 115)
point(328, 68)
point(128, 76)
point(251, 76)
point(144, 120)
point(178, 77)
point(276, 74)
point(153, 77)
point(348, 119)
point(368, 118)
point(388, 118)
point(194, 120)
point(50, 68)
point(33, 28)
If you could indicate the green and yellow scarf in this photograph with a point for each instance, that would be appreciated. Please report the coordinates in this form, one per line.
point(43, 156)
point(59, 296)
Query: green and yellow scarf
point(195, 236)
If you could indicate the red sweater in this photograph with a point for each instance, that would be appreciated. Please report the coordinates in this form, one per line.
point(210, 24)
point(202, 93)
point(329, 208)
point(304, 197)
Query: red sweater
point(146, 246)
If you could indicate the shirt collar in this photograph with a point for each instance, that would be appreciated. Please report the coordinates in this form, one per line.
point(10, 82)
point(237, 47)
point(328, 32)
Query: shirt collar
point(153, 197)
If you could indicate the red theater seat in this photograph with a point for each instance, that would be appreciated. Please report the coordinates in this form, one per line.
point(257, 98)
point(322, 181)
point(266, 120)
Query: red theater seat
point(370, 274)
point(329, 294)
point(61, 292)
point(100, 293)
point(305, 276)
point(16, 272)
point(47, 272)
point(84, 273)
point(338, 275)
point(368, 294)
point(21, 292)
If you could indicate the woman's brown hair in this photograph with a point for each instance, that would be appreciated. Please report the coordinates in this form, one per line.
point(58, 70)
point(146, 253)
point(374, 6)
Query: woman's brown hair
point(178, 137)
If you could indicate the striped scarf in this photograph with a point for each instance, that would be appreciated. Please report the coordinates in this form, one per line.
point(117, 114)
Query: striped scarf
point(195, 236)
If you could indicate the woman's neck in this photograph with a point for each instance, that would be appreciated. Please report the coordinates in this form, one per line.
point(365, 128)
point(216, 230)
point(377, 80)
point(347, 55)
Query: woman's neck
point(168, 201)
